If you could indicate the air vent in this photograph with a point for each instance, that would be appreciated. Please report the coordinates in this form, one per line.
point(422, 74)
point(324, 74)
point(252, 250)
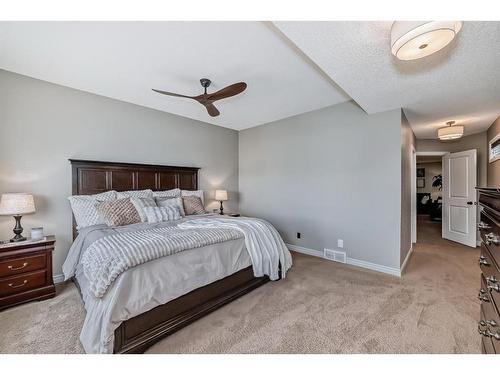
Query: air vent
point(335, 255)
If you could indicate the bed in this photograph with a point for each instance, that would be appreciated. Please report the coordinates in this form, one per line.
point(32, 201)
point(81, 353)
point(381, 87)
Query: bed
point(146, 319)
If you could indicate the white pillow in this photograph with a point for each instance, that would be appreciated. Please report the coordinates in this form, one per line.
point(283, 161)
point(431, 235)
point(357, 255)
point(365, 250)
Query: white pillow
point(84, 210)
point(196, 193)
point(172, 193)
point(167, 202)
point(147, 193)
point(140, 204)
point(158, 214)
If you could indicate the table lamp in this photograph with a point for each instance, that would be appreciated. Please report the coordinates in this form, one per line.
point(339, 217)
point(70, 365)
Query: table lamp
point(221, 195)
point(17, 204)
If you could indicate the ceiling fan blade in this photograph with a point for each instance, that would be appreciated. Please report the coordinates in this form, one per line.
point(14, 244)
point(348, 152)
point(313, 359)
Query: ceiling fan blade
point(173, 94)
point(212, 111)
point(228, 91)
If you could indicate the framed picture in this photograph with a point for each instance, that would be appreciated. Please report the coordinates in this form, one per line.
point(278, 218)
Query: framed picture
point(494, 149)
point(420, 172)
point(420, 182)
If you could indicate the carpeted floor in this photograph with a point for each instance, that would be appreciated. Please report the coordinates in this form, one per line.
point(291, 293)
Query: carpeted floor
point(321, 307)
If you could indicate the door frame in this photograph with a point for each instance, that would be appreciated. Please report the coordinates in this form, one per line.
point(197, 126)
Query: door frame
point(414, 189)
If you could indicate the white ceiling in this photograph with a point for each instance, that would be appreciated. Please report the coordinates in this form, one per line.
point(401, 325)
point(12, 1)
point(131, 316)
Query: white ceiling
point(124, 60)
point(290, 68)
point(461, 82)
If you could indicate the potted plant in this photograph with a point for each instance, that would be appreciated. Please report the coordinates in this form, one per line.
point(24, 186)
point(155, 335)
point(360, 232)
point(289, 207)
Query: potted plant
point(437, 181)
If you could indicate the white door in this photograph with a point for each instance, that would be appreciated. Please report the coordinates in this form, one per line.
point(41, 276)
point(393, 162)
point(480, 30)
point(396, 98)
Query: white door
point(459, 197)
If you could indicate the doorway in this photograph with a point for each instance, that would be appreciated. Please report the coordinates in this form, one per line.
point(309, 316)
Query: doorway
point(429, 197)
point(445, 198)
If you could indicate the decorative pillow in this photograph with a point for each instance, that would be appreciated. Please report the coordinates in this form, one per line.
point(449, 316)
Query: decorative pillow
point(193, 205)
point(147, 193)
point(172, 193)
point(196, 193)
point(168, 202)
point(140, 204)
point(84, 210)
point(158, 214)
point(118, 212)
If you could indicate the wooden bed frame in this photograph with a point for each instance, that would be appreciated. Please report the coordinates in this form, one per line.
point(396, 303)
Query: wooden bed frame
point(138, 333)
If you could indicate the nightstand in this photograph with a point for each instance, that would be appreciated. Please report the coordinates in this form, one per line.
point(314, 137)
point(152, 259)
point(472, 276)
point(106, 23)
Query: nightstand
point(26, 271)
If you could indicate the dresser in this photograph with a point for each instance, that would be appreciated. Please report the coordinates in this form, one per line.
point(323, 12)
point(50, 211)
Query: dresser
point(26, 271)
point(489, 261)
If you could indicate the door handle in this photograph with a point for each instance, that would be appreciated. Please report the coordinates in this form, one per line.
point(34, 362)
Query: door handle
point(470, 203)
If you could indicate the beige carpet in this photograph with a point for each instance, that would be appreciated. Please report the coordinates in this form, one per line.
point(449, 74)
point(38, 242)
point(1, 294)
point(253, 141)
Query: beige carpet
point(321, 307)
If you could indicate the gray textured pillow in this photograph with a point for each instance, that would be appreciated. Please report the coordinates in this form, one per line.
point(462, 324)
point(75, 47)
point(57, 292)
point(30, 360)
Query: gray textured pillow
point(84, 210)
point(146, 193)
point(172, 193)
point(140, 204)
point(193, 205)
point(158, 214)
point(169, 202)
point(118, 212)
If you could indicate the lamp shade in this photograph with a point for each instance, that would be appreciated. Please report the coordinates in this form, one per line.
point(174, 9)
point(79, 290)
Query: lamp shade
point(17, 204)
point(221, 195)
point(450, 132)
point(412, 40)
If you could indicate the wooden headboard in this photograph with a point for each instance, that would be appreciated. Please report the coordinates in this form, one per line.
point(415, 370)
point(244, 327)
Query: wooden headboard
point(93, 177)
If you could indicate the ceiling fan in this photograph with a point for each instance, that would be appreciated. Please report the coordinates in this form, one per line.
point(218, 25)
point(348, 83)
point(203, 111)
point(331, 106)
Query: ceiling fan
point(207, 99)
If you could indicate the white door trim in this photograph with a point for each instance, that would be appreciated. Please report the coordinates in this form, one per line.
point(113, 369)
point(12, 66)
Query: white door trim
point(413, 196)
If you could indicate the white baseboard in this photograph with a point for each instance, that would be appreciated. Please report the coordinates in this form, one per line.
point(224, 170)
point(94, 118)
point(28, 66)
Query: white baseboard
point(405, 262)
point(351, 261)
point(305, 250)
point(58, 278)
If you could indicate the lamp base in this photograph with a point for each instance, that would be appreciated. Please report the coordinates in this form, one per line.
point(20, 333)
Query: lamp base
point(18, 229)
point(17, 238)
point(221, 210)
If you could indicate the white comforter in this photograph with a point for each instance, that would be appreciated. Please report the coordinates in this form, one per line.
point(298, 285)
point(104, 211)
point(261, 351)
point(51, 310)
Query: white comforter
point(263, 242)
point(151, 284)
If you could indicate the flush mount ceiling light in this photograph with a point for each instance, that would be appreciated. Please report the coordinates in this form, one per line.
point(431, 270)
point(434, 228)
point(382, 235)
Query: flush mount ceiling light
point(451, 131)
point(412, 40)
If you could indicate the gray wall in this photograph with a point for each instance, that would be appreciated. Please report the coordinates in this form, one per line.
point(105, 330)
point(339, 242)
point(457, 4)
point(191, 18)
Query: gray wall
point(42, 125)
point(475, 141)
point(493, 168)
point(332, 173)
point(407, 147)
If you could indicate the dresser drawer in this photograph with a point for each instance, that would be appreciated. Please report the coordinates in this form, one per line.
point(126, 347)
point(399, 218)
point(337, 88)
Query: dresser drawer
point(489, 229)
point(489, 308)
point(488, 264)
point(22, 265)
point(21, 283)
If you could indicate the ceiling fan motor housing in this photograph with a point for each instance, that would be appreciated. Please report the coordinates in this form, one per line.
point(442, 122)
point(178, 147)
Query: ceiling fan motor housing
point(205, 82)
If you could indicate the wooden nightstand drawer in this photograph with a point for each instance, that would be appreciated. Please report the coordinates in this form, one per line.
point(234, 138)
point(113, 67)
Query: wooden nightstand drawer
point(20, 283)
point(17, 266)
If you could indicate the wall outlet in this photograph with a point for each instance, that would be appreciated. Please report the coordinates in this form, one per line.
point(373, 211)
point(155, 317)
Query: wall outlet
point(298, 234)
point(340, 243)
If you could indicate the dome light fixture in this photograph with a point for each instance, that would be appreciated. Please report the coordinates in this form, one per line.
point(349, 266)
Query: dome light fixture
point(451, 131)
point(411, 40)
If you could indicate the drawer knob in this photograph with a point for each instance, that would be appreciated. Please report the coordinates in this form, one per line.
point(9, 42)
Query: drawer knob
point(12, 268)
point(491, 323)
point(495, 287)
point(18, 285)
point(482, 226)
point(482, 297)
point(491, 279)
point(482, 328)
point(491, 239)
point(483, 262)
